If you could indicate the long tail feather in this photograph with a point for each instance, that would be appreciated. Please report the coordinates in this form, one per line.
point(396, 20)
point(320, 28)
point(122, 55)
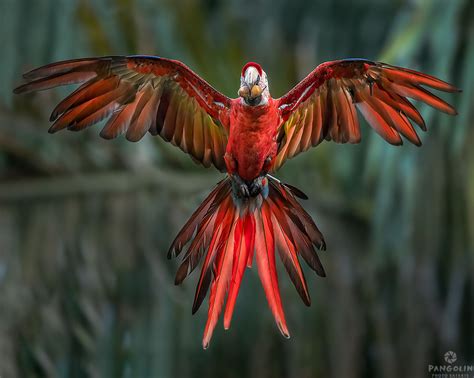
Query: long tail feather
point(221, 190)
point(228, 232)
point(265, 258)
point(289, 255)
point(216, 244)
point(241, 252)
point(222, 273)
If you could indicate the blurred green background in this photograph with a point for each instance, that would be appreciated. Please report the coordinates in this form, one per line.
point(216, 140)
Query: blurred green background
point(85, 286)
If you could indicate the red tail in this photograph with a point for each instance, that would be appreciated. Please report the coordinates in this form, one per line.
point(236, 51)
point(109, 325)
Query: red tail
point(228, 232)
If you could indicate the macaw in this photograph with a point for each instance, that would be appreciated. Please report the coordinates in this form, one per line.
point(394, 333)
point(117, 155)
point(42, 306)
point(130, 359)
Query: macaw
point(249, 214)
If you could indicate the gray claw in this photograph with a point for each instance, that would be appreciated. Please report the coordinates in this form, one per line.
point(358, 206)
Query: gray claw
point(256, 186)
point(255, 189)
point(244, 190)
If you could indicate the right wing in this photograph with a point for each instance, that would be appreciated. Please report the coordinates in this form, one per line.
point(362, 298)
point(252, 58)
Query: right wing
point(139, 94)
point(323, 105)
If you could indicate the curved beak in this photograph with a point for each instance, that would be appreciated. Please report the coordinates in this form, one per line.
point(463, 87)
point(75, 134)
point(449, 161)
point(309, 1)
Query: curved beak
point(247, 92)
point(250, 88)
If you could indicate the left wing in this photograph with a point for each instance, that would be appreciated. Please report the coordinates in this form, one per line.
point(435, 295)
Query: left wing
point(139, 94)
point(323, 105)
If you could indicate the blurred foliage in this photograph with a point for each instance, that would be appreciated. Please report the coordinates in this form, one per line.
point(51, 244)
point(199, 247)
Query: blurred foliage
point(85, 223)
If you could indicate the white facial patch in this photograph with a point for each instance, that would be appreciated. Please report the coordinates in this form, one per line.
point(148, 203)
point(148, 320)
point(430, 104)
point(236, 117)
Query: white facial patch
point(249, 79)
point(251, 75)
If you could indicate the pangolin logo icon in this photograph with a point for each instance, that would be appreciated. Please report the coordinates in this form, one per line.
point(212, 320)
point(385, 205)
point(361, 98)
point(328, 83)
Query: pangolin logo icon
point(450, 357)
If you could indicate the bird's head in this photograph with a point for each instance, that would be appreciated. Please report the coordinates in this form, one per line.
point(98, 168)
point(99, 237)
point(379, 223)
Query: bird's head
point(254, 85)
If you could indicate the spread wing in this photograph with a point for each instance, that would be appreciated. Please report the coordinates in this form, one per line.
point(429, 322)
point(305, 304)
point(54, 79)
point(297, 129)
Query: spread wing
point(323, 105)
point(139, 94)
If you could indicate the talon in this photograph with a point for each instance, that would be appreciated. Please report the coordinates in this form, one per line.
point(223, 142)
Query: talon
point(257, 186)
point(244, 190)
point(255, 189)
point(240, 187)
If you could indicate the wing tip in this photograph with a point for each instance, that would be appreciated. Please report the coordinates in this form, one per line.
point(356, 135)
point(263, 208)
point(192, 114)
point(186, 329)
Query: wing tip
point(450, 88)
point(108, 136)
point(53, 129)
point(133, 137)
point(452, 111)
point(21, 89)
point(417, 142)
point(17, 90)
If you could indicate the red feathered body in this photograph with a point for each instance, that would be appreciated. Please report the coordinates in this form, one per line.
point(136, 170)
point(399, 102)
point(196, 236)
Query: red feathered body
point(252, 137)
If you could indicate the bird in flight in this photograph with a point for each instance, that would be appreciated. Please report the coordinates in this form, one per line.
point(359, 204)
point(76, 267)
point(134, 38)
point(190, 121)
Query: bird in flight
point(250, 214)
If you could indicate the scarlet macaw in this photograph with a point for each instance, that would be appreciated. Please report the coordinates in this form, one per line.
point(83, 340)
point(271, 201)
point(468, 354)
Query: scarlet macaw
point(248, 212)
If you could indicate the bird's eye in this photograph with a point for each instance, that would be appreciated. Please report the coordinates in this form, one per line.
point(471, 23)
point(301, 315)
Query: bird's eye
point(257, 80)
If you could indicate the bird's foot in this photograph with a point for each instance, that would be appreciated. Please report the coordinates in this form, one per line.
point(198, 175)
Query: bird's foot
point(244, 189)
point(240, 187)
point(257, 186)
